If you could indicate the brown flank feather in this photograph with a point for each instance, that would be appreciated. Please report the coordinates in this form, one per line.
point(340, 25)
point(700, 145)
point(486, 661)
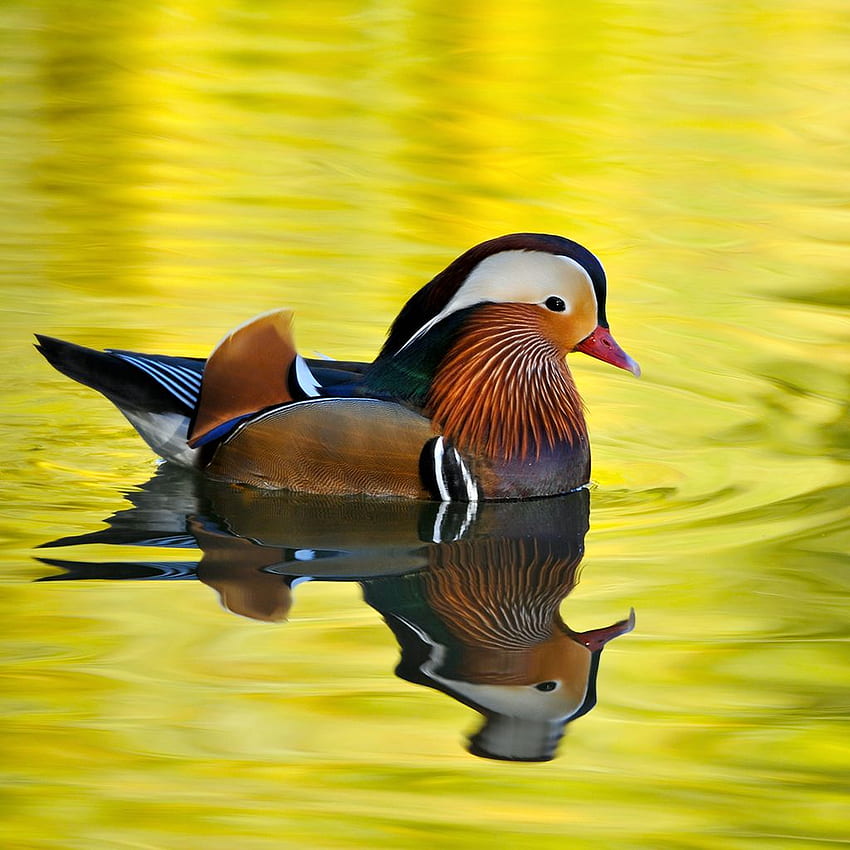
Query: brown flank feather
point(504, 389)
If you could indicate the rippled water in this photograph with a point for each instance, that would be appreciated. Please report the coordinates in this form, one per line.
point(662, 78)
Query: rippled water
point(168, 171)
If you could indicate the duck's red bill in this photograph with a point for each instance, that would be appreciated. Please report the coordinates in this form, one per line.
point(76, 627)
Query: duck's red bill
point(601, 345)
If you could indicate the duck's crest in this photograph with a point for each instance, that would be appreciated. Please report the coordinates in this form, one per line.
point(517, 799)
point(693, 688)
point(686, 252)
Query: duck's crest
point(427, 303)
point(246, 372)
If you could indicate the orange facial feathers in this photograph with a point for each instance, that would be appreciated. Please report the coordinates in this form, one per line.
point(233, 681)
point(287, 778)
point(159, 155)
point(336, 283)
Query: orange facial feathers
point(504, 389)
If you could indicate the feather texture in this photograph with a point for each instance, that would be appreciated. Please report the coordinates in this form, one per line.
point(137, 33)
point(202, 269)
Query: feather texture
point(247, 372)
point(504, 389)
point(335, 446)
point(507, 608)
point(428, 301)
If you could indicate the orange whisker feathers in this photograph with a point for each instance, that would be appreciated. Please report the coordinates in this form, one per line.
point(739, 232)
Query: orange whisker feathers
point(504, 389)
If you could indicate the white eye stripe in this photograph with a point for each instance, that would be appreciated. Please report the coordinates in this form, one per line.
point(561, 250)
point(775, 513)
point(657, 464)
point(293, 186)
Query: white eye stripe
point(517, 276)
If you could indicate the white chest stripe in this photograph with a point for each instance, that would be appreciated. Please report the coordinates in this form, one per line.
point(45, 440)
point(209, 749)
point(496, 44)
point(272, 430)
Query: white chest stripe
point(447, 464)
point(439, 472)
point(468, 482)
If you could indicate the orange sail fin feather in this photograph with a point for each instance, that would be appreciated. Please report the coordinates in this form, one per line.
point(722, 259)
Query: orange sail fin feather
point(246, 372)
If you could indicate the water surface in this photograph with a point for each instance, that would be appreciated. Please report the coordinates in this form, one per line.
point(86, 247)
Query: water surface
point(169, 171)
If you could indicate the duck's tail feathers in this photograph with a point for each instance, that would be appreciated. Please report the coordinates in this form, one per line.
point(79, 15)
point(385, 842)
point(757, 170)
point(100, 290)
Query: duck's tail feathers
point(150, 382)
point(178, 404)
point(156, 393)
point(253, 368)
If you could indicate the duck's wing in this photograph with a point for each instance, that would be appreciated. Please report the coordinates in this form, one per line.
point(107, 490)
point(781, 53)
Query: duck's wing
point(337, 378)
point(255, 367)
point(335, 446)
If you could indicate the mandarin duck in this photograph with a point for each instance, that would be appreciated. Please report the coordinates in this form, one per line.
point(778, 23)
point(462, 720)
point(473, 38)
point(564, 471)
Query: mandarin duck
point(470, 397)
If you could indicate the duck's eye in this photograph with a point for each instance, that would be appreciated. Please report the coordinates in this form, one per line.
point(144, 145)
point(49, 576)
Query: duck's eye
point(546, 686)
point(557, 305)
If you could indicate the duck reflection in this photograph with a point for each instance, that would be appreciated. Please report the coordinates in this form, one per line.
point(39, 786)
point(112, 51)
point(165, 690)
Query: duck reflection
point(471, 592)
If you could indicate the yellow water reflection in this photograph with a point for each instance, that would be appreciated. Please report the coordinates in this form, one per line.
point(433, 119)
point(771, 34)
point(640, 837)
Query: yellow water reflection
point(170, 170)
point(471, 591)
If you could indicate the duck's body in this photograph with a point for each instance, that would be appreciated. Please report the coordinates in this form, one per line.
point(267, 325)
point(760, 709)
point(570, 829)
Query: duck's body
point(470, 397)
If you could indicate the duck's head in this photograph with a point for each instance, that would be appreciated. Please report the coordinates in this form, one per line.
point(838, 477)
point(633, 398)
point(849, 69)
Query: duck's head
point(547, 282)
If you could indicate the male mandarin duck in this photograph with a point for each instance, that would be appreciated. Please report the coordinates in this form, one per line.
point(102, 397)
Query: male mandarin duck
point(470, 397)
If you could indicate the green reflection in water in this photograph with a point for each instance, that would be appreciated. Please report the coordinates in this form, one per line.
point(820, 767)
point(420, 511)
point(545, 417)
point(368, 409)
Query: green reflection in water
point(168, 171)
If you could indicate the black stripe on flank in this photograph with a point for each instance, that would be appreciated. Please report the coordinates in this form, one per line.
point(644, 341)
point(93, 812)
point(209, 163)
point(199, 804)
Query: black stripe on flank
point(427, 471)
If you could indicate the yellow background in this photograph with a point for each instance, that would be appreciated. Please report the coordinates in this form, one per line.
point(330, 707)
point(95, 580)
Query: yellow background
point(167, 170)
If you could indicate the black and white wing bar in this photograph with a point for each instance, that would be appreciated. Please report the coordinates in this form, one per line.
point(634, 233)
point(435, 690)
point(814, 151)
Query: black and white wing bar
point(183, 382)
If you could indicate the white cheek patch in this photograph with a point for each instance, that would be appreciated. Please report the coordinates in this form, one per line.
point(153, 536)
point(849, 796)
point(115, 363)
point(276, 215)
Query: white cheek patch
point(528, 277)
